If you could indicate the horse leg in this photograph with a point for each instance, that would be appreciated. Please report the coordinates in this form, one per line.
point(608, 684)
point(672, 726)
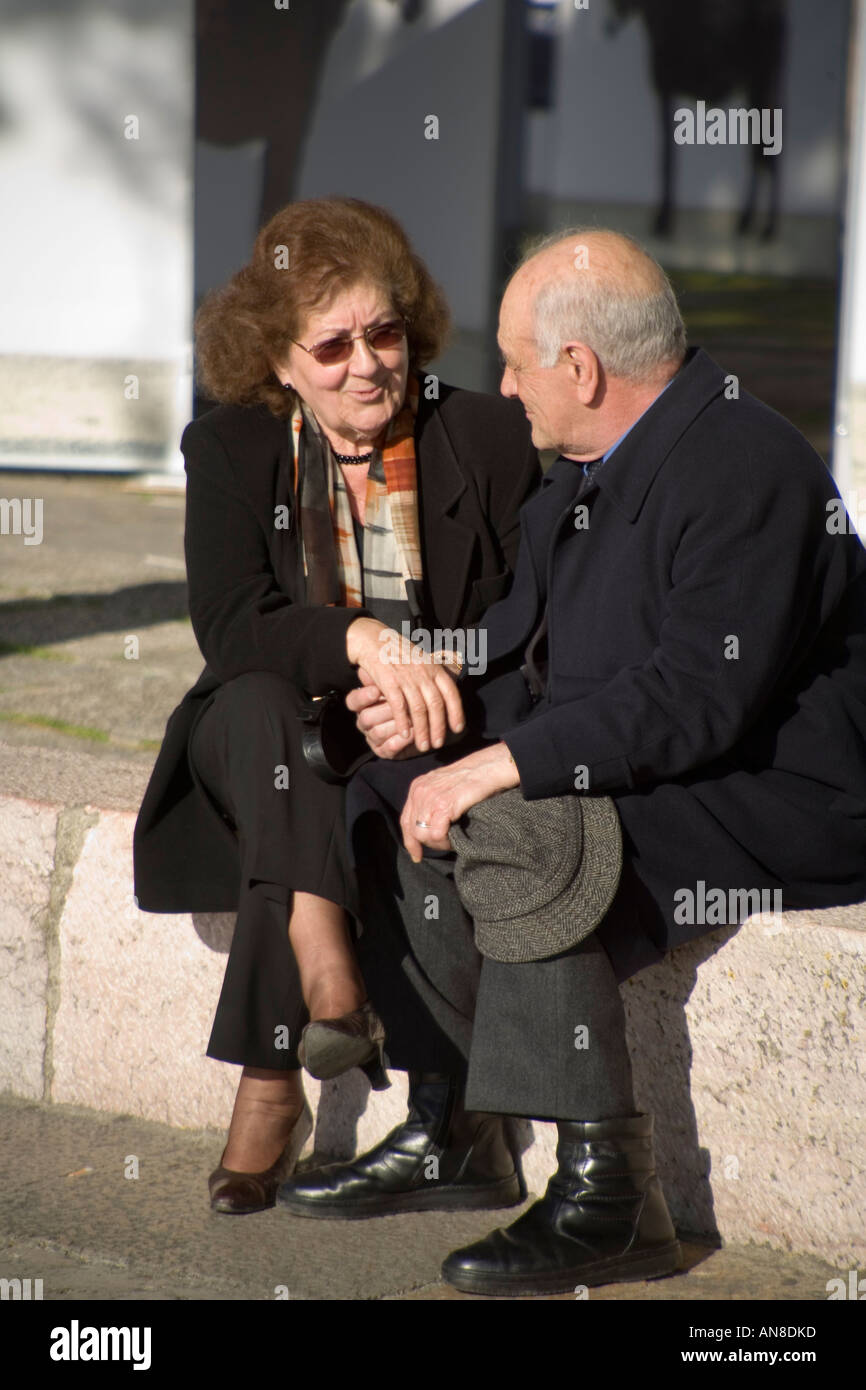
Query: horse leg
point(747, 212)
point(664, 218)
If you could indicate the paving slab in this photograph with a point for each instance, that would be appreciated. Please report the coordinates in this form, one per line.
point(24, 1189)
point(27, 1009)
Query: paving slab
point(96, 645)
point(71, 1216)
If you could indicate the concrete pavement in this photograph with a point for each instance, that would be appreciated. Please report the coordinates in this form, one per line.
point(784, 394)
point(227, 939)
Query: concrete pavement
point(70, 1216)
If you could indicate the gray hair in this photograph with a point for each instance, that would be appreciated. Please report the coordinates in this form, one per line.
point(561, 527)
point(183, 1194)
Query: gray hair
point(631, 333)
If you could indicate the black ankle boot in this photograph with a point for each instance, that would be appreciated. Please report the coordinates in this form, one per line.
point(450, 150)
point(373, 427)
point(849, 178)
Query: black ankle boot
point(603, 1219)
point(443, 1158)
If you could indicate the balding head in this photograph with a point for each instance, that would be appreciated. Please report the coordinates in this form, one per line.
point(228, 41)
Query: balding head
point(590, 333)
point(599, 288)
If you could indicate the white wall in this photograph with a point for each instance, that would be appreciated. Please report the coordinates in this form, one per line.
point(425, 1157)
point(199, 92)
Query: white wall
point(95, 232)
point(849, 449)
point(94, 226)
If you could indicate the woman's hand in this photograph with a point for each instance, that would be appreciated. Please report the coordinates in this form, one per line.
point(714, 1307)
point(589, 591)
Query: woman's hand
point(441, 797)
point(375, 721)
point(422, 699)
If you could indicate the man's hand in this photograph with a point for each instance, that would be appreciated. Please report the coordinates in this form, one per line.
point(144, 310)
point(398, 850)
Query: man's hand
point(421, 697)
point(441, 797)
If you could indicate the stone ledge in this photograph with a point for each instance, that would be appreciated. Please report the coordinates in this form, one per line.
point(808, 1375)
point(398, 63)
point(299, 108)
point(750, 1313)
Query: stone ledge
point(747, 1045)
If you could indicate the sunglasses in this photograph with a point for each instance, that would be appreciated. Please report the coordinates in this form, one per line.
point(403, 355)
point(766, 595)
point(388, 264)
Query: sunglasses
point(333, 351)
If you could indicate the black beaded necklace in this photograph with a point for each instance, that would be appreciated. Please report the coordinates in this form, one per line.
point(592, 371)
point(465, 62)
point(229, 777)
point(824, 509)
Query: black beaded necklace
point(351, 458)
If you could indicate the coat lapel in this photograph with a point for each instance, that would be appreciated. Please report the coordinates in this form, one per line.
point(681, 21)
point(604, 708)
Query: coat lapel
point(628, 476)
point(283, 542)
point(446, 544)
point(543, 515)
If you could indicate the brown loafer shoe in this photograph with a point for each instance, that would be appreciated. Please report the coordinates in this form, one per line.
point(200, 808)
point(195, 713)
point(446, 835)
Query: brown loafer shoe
point(239, 1194)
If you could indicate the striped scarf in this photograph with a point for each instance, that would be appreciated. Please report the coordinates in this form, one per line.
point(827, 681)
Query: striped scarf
point(392, 547)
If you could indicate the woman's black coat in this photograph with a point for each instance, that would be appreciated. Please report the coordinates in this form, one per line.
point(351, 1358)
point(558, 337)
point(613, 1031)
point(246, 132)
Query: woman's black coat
point(476, 466)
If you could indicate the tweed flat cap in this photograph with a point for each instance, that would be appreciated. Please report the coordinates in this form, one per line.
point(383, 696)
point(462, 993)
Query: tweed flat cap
point(536, 876)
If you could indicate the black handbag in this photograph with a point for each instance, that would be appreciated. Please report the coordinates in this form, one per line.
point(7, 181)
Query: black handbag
point(332, 745)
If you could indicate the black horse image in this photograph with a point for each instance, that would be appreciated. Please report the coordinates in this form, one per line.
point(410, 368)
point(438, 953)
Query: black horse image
point(713, 50)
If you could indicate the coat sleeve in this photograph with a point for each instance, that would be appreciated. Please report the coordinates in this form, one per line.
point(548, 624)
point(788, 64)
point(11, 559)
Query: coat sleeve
point(754, 575)
point(242, 619)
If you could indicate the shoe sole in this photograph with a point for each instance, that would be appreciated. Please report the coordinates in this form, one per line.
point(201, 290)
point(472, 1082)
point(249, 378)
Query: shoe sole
point(652, 1264)
point(503, 1194)
point(239, 1211)
point(328, 1055)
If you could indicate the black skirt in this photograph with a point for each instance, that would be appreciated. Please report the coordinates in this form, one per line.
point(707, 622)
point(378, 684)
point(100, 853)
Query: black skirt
point(245, 753)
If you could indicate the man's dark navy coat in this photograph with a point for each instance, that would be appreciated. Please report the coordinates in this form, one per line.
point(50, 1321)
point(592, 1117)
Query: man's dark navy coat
point(707, 653)
point(707, 662)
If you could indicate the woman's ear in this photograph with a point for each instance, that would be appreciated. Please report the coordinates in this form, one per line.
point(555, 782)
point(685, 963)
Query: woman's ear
point(281, 372)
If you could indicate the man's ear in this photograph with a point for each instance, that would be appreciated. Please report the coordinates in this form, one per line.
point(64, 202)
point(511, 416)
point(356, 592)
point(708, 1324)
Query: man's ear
point(584, 369)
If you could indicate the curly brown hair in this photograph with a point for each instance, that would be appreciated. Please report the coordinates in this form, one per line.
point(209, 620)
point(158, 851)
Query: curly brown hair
point(305, 255)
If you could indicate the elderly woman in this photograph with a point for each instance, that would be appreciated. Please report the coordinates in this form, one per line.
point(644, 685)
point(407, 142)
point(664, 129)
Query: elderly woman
point(333, 496)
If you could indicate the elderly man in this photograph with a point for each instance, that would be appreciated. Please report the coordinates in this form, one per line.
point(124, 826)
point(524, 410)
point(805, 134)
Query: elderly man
point(685, 642)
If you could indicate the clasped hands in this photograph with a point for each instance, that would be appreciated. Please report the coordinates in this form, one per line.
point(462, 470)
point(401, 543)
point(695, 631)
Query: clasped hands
point(407, 703)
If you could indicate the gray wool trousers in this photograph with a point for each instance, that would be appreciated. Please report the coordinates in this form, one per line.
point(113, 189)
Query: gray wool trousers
point(542, 1039)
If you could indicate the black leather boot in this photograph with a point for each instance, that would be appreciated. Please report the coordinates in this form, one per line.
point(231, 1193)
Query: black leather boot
point(442, 1158)
point(602, 1220)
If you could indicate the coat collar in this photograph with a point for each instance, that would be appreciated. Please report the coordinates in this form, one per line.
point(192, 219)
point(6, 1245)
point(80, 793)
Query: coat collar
point(443, 479)
point(629, 473)
point(447, 543)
